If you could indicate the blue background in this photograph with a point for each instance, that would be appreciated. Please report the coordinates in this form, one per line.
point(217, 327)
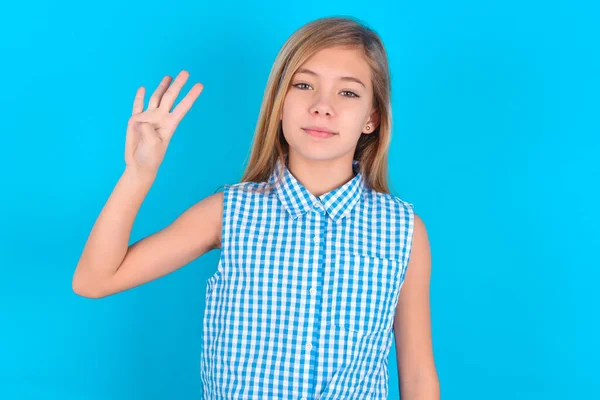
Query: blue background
point(495, 141)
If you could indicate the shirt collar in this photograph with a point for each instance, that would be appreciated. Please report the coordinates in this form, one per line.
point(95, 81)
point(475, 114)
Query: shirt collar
point(297, 200)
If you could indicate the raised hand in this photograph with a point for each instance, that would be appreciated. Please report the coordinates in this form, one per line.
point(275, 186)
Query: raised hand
point(149, 132)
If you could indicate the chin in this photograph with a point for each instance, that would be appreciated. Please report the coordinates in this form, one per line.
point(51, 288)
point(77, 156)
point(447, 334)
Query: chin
point(315, 153)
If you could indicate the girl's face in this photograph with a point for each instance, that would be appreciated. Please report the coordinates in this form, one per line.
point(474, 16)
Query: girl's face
point(331, 90)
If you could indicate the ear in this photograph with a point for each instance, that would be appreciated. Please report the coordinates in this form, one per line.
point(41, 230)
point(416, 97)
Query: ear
point(372, 123)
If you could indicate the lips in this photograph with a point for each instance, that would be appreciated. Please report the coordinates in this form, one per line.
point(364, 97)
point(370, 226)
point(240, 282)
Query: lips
point(319, 129)
point(319, 134)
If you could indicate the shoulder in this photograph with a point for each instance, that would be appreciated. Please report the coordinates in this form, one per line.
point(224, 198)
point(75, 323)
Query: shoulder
point(415, 226)
point(420, 247)
point(420, 237)
point(391, 202)
point(231, 200)
point(416, 223)
point(245, 194)
point(245, 187)
point(405, 205)
point(210, 208)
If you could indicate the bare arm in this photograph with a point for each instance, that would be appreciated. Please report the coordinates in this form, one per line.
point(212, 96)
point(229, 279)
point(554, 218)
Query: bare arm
point(412, 324)
point(107, 243)
point(108, 265)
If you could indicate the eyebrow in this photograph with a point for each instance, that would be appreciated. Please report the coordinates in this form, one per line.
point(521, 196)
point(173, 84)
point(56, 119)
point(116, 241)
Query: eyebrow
point(343, 78)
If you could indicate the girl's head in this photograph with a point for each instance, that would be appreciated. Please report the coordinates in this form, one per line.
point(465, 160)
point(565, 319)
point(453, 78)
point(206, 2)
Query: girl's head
point(331, 73)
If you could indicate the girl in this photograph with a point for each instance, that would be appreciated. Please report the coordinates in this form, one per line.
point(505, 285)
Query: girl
point(314, 248)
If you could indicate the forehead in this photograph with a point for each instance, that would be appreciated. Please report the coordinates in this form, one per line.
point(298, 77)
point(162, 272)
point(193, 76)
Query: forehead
point(334, 62)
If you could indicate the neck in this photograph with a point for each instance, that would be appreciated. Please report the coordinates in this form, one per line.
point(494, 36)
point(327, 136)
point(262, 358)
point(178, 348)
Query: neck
point(321, 176)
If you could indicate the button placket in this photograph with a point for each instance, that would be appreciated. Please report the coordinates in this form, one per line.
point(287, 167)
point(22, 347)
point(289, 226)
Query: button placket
point(317, 249)
point(318, 207)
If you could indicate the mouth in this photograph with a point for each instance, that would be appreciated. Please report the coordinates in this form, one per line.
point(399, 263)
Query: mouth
point(319, 132)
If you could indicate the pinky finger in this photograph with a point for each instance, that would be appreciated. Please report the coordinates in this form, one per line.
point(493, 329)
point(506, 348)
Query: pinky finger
point(138, 102)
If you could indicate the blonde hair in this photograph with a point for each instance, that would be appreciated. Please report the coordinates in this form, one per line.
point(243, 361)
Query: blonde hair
point(371, 151)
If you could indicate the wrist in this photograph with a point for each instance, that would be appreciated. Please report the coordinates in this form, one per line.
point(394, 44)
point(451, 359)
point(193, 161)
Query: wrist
point(138, 175)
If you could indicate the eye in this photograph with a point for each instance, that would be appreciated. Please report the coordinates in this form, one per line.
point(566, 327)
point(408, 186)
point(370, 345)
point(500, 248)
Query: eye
point(351, 94)
point(298, 84)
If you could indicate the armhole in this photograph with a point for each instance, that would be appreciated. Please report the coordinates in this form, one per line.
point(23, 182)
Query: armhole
point(225, 221)
point(409, 220)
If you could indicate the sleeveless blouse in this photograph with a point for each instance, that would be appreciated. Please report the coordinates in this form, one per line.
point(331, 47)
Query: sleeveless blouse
point(303, 300)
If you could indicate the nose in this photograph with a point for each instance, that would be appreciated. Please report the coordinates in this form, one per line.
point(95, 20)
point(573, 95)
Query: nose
point(321, 106)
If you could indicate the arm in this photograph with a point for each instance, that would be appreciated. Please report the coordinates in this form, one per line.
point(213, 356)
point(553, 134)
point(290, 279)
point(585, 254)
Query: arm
point(108, 265)
point(412, 324)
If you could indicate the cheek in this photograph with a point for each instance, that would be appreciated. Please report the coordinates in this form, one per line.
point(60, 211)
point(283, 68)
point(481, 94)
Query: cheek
point(291, 104)
point(285, 110)
point(351, 117)
point(288, 116)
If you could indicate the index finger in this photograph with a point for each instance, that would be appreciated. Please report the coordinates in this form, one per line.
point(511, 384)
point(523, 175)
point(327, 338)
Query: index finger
point(186, 103)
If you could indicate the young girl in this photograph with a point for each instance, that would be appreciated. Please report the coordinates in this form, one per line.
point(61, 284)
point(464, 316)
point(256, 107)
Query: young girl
point(314, 248)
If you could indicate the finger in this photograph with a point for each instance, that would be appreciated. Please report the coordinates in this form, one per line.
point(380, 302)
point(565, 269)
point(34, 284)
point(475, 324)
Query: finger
point(148, 133)
point(158, 93)
point(186, 103)
point(172, 92)
point(138, 102)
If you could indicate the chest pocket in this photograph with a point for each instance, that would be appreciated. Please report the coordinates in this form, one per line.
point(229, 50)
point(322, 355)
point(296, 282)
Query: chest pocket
point(364, 292)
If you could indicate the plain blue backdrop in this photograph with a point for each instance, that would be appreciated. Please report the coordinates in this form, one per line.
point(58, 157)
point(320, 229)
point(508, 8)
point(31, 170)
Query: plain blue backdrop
point(495, 141)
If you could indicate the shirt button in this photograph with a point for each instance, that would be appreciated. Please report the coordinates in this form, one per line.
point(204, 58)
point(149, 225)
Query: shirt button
point(303, 398)
point(313, 290)
point(316, 239)
point(309, 346)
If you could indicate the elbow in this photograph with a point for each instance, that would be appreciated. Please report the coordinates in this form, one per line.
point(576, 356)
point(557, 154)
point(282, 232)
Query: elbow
point(83, 291)
point(83, 288)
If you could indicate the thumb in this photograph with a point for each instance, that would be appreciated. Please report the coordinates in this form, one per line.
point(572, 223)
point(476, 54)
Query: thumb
point(147, 132)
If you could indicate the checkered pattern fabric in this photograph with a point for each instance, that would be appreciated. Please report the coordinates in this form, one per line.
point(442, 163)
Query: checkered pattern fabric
point(303, 300)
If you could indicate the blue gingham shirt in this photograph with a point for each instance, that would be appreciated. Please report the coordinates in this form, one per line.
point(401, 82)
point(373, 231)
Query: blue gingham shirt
point(303, 300)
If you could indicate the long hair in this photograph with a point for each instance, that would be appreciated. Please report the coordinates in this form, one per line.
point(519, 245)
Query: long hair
point(371, 151)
